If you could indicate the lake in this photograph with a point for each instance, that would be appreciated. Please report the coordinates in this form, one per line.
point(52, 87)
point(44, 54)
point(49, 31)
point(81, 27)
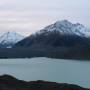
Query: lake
point(56, 70)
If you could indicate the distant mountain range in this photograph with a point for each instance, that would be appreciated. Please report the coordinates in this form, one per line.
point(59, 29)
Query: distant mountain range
point(59, 40)
point(8, 39)
point(60, 34)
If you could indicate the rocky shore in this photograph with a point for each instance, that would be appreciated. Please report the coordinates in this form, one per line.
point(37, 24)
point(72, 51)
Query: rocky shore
point(10, 83)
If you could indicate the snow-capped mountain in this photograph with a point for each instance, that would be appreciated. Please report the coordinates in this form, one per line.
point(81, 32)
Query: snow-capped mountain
point(60, 34)
point(10, 38)
point(66, 27)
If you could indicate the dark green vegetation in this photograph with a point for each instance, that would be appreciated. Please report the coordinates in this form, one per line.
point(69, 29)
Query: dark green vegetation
point(10, 83)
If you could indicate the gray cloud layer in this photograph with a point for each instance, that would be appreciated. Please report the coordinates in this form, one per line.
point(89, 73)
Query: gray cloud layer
point(31, 15)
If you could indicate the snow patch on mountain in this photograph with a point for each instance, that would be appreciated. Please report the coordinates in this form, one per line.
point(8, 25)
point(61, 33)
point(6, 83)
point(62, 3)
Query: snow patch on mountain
point(66, 27)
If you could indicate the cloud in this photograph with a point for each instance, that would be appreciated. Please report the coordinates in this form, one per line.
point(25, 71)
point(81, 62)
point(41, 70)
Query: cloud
point(32, 15)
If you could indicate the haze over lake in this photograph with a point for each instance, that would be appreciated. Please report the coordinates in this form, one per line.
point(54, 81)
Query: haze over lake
point(56, 70)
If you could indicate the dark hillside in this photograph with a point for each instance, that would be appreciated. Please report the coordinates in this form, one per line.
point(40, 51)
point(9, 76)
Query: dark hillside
point(10, 83)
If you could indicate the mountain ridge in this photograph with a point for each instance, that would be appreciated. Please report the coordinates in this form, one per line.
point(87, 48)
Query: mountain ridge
point(66, 27)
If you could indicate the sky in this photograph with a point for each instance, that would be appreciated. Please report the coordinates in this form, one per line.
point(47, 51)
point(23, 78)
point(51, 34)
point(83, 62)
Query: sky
point(29, 16)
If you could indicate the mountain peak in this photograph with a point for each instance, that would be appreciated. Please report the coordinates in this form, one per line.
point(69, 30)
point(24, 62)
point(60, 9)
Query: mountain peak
point(9, 38)
point(11, 32)
point(63, 23)
point(66, 27)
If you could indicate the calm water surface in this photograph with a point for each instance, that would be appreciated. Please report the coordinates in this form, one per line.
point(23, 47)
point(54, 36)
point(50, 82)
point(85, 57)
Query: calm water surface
point(57, 70)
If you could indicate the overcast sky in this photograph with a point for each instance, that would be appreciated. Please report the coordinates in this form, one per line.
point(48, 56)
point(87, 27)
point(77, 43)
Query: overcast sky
point(28, 16)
